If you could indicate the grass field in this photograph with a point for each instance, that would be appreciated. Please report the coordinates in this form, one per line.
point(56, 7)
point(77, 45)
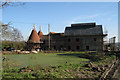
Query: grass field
point(53, 65)
point(21, 60)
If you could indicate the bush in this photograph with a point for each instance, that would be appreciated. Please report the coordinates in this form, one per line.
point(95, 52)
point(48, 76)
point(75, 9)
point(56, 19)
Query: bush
point(11, 44)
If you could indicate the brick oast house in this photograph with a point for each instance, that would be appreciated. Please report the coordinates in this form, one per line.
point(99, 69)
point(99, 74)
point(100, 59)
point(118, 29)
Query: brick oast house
point(34, 40)
point(77, 37)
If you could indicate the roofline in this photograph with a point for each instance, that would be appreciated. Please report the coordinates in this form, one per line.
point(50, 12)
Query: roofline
point(88, 35)
point(86, 23)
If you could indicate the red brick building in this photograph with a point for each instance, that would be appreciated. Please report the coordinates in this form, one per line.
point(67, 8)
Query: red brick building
point(77, 37)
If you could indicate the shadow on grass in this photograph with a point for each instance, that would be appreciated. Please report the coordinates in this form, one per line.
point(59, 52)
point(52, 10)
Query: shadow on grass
point(91, 56)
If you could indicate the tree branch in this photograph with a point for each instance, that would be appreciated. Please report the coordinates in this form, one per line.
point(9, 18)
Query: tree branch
point(4, 4)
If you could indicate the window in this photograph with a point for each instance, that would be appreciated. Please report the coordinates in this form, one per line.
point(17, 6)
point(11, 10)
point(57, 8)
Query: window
point(69, 47)
point(61, 46)
point(54, 47)
point(44, 41)
point(77, 47)
point(69, 40)
point(87, 47)
point(95, 39)
point(77, 39)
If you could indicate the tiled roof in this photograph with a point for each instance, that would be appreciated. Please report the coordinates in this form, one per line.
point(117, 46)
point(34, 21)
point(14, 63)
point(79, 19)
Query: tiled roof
point(34, 37)
point(84, 29)
point(40, 33)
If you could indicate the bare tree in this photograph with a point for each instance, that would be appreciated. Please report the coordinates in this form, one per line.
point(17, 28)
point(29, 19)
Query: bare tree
point(16, 35)
point(6, 31)
point(9, 33)
point(10, 3)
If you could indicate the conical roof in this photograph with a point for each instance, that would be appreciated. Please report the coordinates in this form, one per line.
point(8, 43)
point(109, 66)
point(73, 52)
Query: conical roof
point(40, 32)
point(34, 36)
point(51, 33)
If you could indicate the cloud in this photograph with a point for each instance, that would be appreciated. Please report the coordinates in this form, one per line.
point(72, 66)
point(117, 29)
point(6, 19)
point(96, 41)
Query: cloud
point(84, 17)
point(100, 17)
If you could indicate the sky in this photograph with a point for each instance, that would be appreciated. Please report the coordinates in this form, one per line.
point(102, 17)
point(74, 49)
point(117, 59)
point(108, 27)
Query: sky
point(61, 14)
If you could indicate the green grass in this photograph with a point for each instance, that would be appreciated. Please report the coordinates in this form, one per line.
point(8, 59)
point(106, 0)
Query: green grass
point(21, 60)
point(61, 71)
point(105, 60)
point(53, 65)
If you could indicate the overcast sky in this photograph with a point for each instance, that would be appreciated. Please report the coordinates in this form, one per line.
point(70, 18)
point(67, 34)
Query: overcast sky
point(62, 14)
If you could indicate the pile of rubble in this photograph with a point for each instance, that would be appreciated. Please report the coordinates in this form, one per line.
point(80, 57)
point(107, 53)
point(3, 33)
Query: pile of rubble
point(25, 70)
point(95, 67)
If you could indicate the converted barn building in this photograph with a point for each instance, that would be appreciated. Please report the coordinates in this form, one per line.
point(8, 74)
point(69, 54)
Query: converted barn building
point(77, 37)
